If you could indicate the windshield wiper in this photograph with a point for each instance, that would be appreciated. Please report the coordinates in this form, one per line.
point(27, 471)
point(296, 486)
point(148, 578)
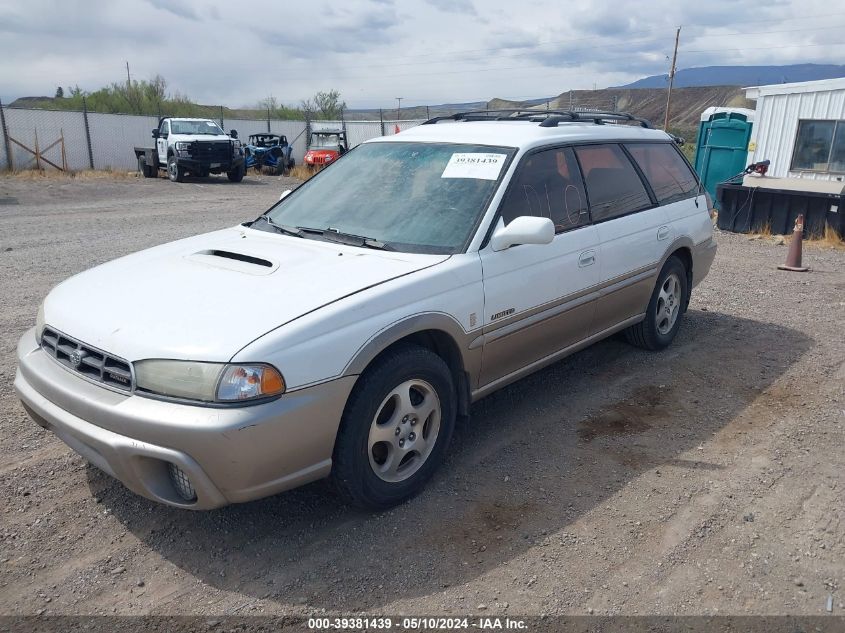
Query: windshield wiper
point(281, 228)
point(333, 235)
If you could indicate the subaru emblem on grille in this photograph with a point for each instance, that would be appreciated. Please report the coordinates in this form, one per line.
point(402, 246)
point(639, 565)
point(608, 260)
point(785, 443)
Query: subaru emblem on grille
point(76, 357)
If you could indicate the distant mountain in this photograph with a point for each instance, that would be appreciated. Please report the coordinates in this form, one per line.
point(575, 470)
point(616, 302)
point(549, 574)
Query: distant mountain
point(742, 76)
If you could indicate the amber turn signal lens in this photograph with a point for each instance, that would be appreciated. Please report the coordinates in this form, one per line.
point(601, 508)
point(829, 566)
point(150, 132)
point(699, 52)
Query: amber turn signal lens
point(272, 382)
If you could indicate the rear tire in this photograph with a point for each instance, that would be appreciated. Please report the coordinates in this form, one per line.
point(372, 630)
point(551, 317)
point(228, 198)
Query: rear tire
point(148, 171)
point(395, 429)
point(665, 309)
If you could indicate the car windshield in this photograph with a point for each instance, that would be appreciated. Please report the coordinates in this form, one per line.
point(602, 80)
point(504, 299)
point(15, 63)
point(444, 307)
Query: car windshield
point(195, 127)
point(263, 141)
point(325, 141)
point(413, 197)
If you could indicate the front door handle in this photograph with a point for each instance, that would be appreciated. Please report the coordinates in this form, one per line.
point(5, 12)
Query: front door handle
point(587, 258)
point(662, 232)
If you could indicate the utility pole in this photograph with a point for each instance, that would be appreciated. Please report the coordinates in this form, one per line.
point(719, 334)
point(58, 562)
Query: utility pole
point(128, 80)
point(671, 80)
point(398, 106)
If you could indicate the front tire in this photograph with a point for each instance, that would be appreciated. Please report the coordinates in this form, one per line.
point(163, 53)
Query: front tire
point(395, 429)
point(237, 174)
point(174, 172)
point(665, 309)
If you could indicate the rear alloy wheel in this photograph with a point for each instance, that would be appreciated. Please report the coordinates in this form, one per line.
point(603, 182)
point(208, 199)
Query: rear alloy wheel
point(665, 309)
point(395, 429)
point(174, 172)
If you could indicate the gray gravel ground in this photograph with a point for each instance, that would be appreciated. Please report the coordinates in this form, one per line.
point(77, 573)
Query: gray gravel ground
point(705, 479)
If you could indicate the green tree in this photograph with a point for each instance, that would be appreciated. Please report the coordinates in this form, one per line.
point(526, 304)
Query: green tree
point(325, 105)
point(278, 110)
point(60, 92)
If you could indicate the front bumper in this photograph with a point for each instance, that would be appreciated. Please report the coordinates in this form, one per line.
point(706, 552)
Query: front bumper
point(319, 160)
point(193, 165)
point(230, 454)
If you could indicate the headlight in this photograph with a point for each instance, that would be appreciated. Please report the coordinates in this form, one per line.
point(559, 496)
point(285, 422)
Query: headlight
point(39, 323)
point(183, 145)
point(236, 143)
point(328, 157)
point(208, 382)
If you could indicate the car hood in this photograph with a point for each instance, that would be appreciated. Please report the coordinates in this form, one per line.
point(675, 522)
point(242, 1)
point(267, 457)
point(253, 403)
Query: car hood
point(207, 297)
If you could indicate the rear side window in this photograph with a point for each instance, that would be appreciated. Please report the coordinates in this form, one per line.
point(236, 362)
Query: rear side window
point(667, 172)
point(613, 185)
point(548, 185)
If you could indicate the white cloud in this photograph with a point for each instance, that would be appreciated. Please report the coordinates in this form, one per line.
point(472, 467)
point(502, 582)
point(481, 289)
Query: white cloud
point(217, 51)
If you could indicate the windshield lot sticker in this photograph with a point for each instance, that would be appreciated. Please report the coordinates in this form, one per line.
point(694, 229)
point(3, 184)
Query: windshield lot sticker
point(481, 166)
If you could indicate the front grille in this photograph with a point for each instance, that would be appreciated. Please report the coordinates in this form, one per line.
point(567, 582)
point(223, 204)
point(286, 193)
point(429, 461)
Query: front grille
point(211, 151)
point(86, 360)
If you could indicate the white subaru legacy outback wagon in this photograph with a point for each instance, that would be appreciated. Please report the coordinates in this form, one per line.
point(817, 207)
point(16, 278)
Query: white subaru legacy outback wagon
point(342, 332)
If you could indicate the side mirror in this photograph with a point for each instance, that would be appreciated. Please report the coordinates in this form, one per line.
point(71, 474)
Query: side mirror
point(285, 194)
point(525, 229)
point(233, 133)
point(155, 133)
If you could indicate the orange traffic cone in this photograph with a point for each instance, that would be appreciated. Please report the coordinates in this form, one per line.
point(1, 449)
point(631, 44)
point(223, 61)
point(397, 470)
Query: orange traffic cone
point(793, 257)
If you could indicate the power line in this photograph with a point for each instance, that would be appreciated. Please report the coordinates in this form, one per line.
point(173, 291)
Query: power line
point(451, 56)
point(761, 48)
point(688, 27)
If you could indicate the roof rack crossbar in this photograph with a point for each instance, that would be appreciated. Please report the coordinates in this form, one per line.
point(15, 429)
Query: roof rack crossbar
point(546, 118)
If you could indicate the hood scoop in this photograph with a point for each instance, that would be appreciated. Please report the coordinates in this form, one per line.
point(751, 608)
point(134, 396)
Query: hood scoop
point(231, 260)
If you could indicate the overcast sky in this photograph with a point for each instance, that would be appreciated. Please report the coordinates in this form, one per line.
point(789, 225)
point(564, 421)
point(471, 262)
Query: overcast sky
point(426, 51)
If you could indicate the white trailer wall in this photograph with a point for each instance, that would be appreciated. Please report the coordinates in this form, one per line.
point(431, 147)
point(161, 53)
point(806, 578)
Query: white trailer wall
point(779, 108)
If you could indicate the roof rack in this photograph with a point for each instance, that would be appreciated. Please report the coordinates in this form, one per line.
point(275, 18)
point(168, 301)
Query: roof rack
point(546, 118)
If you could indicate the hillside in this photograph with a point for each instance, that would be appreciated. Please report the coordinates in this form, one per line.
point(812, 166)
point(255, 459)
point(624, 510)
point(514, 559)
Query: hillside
point(648, 103)
point(742, 75)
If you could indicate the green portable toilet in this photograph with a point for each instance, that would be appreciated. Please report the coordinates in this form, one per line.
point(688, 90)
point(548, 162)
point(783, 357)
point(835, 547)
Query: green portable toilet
point(722, 147)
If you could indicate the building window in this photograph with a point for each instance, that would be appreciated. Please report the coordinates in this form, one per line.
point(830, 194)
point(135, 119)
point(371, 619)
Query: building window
point(820, 146)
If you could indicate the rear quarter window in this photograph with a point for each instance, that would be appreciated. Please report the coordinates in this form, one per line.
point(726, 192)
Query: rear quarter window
point(613, 185)
point(667, 172)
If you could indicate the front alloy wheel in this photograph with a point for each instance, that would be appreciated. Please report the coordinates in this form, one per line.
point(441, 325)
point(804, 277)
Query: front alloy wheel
point(174, 172)
point(404, 430)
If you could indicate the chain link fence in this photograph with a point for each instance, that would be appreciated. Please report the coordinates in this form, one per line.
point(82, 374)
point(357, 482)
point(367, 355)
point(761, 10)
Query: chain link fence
point(93, 140)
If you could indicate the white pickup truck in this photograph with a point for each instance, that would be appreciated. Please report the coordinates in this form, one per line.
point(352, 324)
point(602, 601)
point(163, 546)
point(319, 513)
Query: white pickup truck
point(192, 146)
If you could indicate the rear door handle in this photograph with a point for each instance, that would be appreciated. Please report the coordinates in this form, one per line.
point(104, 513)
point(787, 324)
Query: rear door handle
point(662, 232)
point(587, 258)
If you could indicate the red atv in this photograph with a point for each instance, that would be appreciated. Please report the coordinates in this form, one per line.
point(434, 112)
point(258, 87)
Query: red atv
point(326, 147)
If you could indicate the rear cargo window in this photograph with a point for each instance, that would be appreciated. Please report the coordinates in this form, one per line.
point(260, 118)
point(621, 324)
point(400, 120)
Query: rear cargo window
point(613, 185)
point(667, 172)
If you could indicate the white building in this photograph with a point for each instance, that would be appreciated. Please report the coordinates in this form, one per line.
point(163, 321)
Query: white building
point(800, 128)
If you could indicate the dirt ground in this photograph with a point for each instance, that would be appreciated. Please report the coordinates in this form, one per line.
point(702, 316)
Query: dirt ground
point(708, 478)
